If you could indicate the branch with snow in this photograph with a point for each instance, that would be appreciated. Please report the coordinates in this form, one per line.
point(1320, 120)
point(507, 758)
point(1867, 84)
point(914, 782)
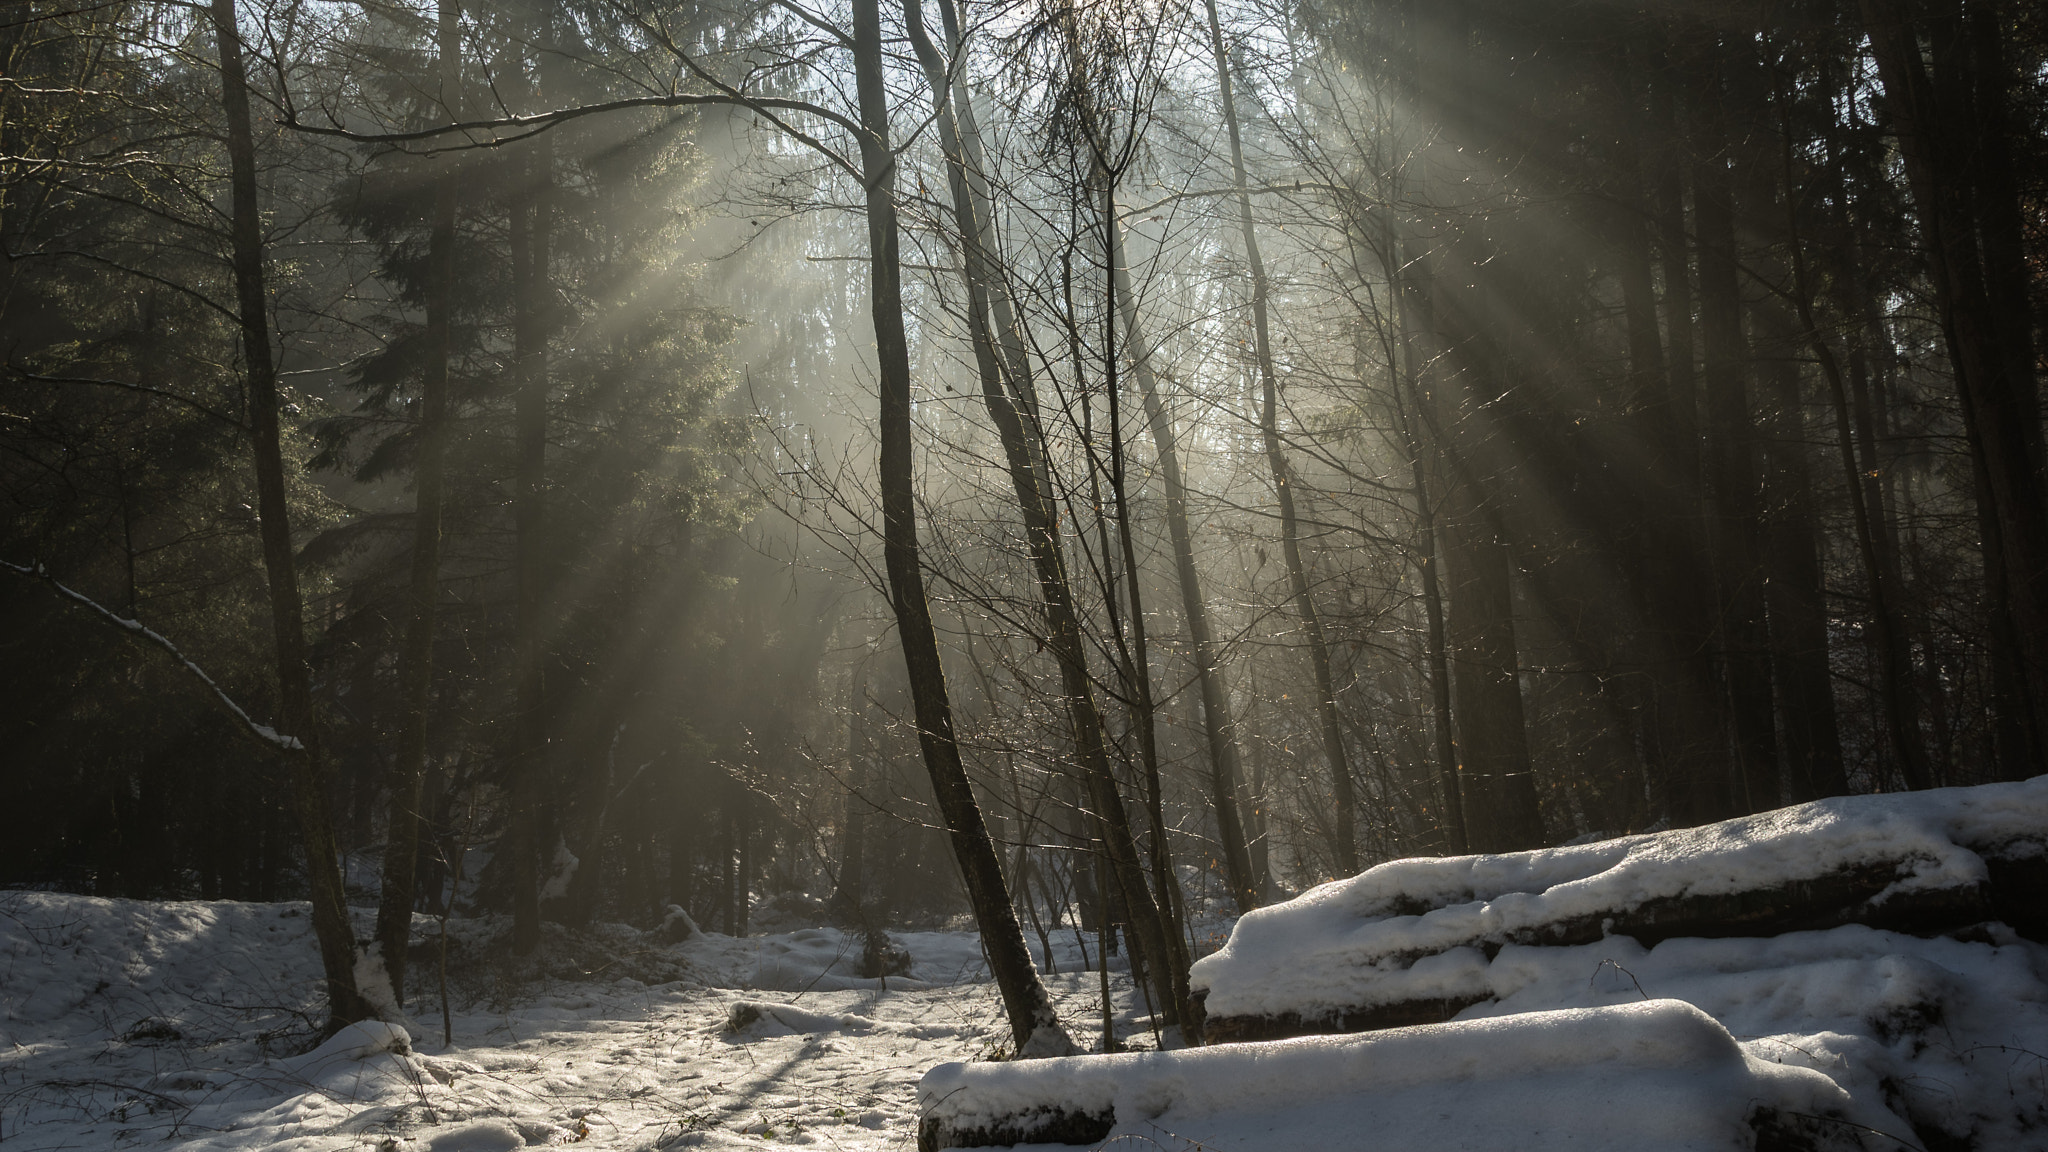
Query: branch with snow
point(34, 570)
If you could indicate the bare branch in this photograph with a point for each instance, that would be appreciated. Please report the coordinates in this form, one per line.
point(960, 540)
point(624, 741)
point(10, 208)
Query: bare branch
point(187, 401)
point(263, 733)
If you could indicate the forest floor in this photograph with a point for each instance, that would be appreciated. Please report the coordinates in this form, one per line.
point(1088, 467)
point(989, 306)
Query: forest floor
point(125, 1023)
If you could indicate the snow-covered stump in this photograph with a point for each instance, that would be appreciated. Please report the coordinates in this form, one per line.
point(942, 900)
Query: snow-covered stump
point(1659, 1076)
point(1413, 941)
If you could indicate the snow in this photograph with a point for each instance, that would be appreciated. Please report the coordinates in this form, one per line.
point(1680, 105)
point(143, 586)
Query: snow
point(1659, 1076)
point(1356, 942)
point(1952, 1033)
point(1948, 1033)
point(565, 865)
point(373, 981)
point(127, 1023)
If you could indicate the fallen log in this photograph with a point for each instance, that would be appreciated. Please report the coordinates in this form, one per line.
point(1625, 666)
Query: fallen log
point(1660, 1076)
point(1408, 942)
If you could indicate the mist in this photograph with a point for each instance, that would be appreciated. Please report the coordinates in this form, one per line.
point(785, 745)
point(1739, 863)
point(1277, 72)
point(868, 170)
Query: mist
point(1071, 473)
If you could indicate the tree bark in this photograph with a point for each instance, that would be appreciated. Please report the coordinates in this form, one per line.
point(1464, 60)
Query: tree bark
point(849, 895)
point(331, 928)
point(1901, 696)
point(1459, 408)
point(1217, 727)
point(531, 232)
point(2000, 208)
point(1809, 741)
point(1730, 468)
point(1457, 840)
point(1408, 409)
point(1344, 845)
point(1136, 655)
point(1034, 1026)
point(1021, 438)
point(2000, 408)
point(416, 660)
point(1493, 750)
point(1687, 722)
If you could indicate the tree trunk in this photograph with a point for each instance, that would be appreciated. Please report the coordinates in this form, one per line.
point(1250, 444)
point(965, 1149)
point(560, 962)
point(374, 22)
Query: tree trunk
point(1810, 743)
point(1023, 453)
point(1344, 844)
point(1812, 759)
point(416, 660)
point(1459, 412)
point(1034, 1026)
point(743, 872)
point(2000, 409)
point(331, 928)
point(1136, 656)
point(1686, 721)
point(1408, 401)
point(1493, 749)
point(683, 818)
point(1798, 609)
point(1733, 495)
point(849, 894)
point(1874, 470)
point(722, 906)
point(1217, 728)
point(531, 231)
point(2001, 210)
point(1900, 694)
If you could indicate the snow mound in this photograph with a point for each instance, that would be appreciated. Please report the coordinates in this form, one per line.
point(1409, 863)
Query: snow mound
point(822, 960)
point(486, 1136)
point(210, 973)
point(1659, 1076)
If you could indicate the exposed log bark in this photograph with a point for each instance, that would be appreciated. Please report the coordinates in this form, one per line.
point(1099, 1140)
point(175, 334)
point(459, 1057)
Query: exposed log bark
point(2016, 890)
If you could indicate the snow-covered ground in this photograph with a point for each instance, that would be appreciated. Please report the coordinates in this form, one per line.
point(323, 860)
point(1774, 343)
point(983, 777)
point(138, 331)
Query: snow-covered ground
point(126, 1023)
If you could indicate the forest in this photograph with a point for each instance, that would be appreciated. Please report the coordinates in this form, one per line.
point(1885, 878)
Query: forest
point(1033, 467)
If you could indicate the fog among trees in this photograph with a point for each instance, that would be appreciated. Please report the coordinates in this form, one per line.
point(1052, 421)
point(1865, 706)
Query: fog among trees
point(1038, 465)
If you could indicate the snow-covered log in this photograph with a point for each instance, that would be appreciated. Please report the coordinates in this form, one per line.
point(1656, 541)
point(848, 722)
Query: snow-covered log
point(1413, 941)
point(1660, 1076)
